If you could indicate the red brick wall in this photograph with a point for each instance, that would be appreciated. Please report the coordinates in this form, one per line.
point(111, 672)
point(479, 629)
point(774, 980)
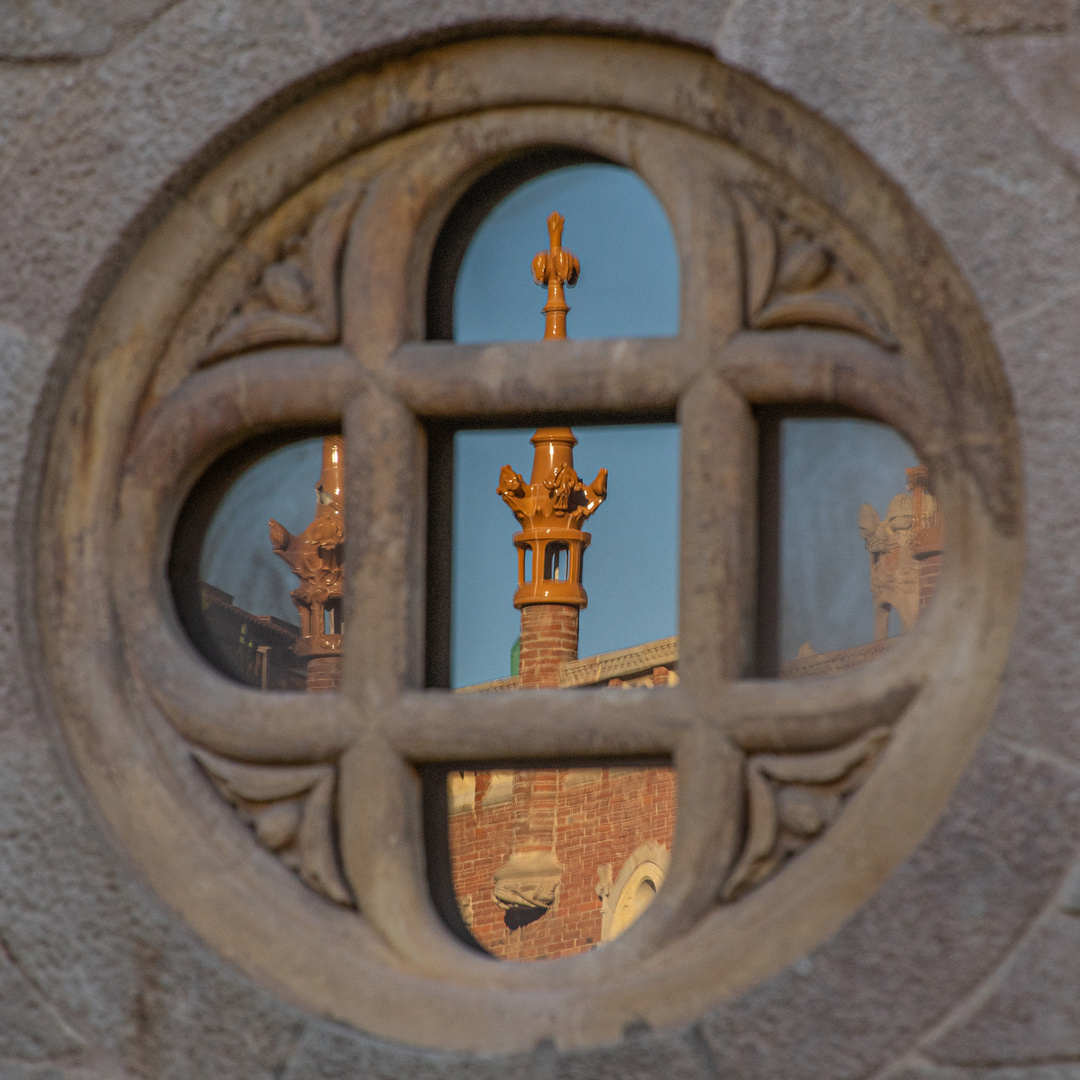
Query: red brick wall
point(549, 637)
point(323, 673)
point(928, 579)
point(602, 818)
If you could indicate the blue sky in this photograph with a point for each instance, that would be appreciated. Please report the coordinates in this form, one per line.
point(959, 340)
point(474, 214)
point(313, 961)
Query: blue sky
point(628, 287)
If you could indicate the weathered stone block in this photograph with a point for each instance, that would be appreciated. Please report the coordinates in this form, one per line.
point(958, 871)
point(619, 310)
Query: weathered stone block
point(945, 920)
point(1043, 74)
point(996, 16)
point(1033, 1015)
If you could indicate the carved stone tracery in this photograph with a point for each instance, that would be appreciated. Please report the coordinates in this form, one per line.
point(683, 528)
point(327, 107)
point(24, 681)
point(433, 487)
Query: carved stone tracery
point(295, 299)
point(321, 324)
point(291, 812)
point(794, 279)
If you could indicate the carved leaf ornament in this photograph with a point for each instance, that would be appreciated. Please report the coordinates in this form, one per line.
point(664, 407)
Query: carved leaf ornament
point(288, 293)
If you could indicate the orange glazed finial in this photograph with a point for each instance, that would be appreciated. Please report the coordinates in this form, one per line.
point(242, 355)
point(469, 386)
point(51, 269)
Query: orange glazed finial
point(554, 268)
point(554, 504)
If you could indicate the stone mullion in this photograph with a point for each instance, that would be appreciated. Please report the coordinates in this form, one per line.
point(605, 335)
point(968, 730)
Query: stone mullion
point(438, 379)
point(792, 716)
point(244, 723)
point(538, 725)
point(383, 645)
point(718, 538)
point(710, 258)
point(380, 828)
point(823, 367)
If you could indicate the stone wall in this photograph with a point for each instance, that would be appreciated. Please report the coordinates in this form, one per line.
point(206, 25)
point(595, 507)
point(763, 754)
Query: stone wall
point(964, 966)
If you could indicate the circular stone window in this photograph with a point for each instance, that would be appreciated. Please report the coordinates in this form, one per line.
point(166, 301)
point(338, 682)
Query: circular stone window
point(286, 295)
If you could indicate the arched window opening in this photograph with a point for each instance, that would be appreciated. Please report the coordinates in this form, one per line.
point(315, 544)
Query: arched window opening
point(569, 875)
point(480, 286)
point(556, 561)
point(853, 538)
point(257, 562)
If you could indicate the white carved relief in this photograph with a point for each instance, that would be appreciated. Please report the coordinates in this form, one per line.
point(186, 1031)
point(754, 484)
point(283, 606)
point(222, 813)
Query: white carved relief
point(626, 898)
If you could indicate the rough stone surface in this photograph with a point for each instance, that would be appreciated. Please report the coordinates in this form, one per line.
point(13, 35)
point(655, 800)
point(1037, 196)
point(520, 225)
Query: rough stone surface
point(966, 954)
point(101, 1069)
point(911, 95)
point(98, 164)
point(1042, 73)
point(30, 1028)
point(1033, 1015)
point(1038, 700)
point(925, 1071)
point(330, 1052)
point(941, 925)
point(24, 91)
point(641, 1057)
point(70, 29)
point(996, 16)
point(125, 979)
point(388, 21)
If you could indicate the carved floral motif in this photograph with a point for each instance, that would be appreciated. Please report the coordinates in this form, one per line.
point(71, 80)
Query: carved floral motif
point(290, 811)
point(296, 299)
point(792, 799)
point(793, 279)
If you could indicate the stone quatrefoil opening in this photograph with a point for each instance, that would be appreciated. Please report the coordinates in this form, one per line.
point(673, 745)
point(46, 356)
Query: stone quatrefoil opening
point(292, 298)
